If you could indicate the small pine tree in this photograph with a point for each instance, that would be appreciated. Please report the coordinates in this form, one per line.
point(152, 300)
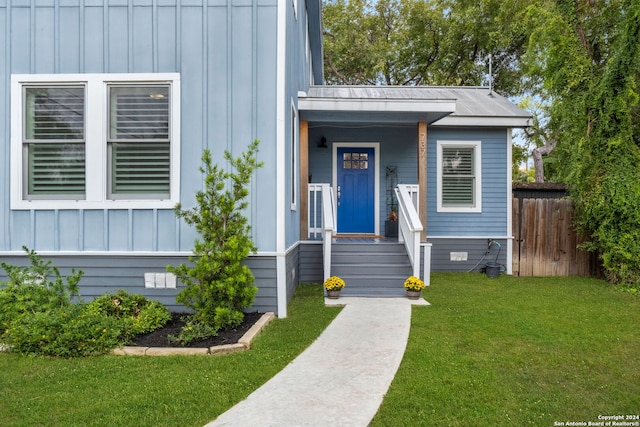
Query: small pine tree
point(218, 286)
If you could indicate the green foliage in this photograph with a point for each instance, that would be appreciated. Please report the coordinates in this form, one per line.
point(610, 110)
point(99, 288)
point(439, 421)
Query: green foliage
point(137, 314)
point(38, 316)
point(155, 391)
point(218, 286)
point(606, 180)
point(434, 42)
point(587, 55)
point(194, 330)
point(36, 288)
point(64, 332)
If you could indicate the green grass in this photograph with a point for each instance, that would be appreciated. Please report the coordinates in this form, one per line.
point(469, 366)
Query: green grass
point(517, 351)
point(495, 352)
point(154, 391)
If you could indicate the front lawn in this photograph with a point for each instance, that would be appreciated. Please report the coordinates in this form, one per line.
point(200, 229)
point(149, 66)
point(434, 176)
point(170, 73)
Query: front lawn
point(502, 351)
point(154, 391)
point(517, 351)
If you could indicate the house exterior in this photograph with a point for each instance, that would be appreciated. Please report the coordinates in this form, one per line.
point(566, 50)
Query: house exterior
point(107, 105)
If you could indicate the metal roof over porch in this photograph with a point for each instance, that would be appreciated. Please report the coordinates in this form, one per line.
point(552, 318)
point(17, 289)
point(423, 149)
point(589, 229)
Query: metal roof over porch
point(437, 106)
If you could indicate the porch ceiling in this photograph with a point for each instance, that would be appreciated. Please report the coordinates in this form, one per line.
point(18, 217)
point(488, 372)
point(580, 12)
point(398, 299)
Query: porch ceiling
point(440, 106)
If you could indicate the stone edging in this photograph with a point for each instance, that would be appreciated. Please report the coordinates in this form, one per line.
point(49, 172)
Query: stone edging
point(243, 343)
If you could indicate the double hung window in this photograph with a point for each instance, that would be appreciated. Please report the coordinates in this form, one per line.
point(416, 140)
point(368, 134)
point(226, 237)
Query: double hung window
point(95, 140)
point(459, 176)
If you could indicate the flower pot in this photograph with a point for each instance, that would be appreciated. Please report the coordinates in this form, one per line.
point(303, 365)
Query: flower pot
point(333, 294)
point(391, 228)
point(413, 294)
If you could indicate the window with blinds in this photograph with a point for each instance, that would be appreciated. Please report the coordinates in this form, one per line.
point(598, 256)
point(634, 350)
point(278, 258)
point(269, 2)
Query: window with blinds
point(54, 142)
point(95, 141)
point(459, 172)
point(138, 141)
point(458, 177)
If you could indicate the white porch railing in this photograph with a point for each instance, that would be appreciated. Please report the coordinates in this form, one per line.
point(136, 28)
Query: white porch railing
point(322, 223)
point(314, 214)
point(410, 228)
point(329, 220)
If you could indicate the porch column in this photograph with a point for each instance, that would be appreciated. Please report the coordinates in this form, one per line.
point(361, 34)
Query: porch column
point(422, 177)
point(304, 179)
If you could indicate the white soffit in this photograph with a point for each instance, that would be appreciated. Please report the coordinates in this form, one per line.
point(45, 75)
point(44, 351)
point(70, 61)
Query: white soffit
point(378, 105)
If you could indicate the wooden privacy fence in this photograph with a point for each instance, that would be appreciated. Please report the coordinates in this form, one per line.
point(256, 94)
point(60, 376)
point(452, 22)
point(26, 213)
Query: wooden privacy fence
point(545, 241)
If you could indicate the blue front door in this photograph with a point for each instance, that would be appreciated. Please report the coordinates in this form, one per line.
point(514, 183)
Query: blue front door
point(355, 190)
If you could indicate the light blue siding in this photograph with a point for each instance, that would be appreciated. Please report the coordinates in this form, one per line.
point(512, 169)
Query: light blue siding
point(492, 221)
point(296, 79)
point(225, 54)
point(70, 236)
point(5, 236)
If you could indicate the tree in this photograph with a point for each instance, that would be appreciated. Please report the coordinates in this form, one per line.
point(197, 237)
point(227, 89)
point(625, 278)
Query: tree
point(586, 54)
point(218, 285)
point(607, 177)
point(437, 42)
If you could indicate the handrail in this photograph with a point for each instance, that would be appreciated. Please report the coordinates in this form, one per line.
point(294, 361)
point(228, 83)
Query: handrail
point(314, 215)
point(409, 225)
point(328, 227)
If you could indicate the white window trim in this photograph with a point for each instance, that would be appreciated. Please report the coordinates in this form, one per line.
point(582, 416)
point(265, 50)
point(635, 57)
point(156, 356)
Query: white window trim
point(477, 146)
point(96, 137)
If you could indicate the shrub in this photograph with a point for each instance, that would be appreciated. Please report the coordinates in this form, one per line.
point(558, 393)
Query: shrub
point(65, 332)
point(193, 331)
point(38, 316)
point(219, 286)
point(137, 314)
point(36, 288)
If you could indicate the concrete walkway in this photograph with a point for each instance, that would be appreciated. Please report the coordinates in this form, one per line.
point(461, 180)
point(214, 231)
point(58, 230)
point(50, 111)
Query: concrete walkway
point(341, 378)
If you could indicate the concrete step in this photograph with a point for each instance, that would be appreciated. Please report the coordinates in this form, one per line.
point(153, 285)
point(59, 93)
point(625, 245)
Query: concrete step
point(373, 293)
point(371, 269)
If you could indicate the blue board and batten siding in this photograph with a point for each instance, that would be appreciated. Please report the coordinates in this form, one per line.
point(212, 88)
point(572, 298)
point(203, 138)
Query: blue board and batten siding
point(112, 272)
point(398, 148)
point(225, 53)
point(492, 221)
point(468, 233)
point(448, 232)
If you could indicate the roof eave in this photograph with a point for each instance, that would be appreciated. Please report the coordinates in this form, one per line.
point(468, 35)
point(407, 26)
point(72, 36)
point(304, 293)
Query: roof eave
point(377, 105)
point(481, 121)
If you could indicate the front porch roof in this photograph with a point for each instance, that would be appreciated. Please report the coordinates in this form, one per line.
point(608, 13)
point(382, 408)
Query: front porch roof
point(437, 106)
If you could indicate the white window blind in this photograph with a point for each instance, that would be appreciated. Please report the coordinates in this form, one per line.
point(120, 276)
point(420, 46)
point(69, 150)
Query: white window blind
point(139, 144)
point(459, 172)
point(53, 141)
point(458, 177)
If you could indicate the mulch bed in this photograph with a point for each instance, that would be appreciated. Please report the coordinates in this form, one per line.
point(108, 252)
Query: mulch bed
point(159, 337)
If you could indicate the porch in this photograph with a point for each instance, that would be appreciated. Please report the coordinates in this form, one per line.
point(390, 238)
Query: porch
point(371, 265)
